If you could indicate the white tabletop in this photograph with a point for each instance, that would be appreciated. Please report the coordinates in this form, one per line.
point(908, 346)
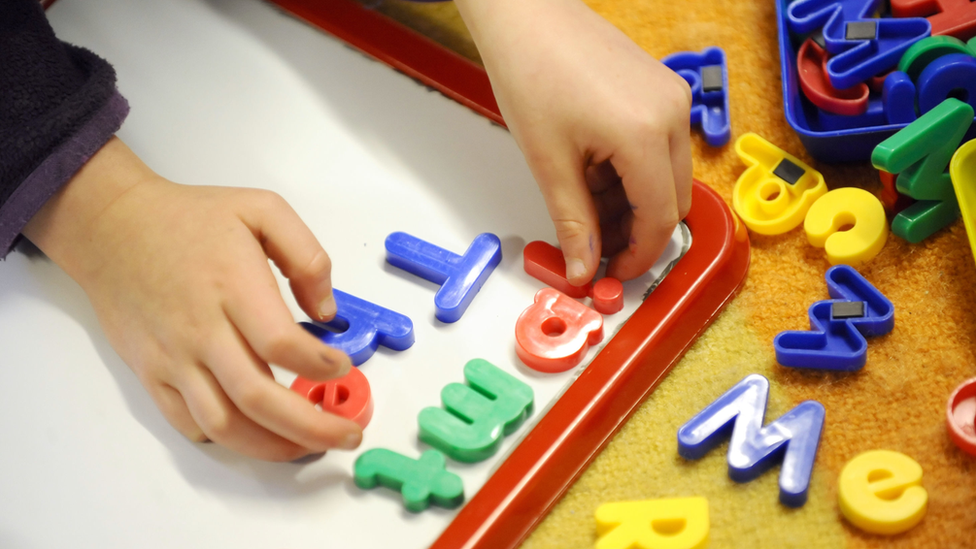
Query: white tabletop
point(232, 92)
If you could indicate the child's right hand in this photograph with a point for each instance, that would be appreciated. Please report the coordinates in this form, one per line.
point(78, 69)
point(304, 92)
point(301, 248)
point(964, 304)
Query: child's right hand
point(179, 278)
point(604, 128)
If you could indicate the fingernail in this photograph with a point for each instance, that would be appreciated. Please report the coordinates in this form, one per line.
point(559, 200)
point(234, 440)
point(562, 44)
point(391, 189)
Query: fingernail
point(342, 365)
point(327, 308)
point(345, 367)
point(575, 269)
point(351, 442)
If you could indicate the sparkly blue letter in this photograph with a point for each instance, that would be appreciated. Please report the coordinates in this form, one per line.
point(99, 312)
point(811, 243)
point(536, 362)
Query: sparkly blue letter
point(754, 448)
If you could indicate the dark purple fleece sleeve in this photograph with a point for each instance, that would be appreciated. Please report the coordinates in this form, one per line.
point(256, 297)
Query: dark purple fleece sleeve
point(58, 106)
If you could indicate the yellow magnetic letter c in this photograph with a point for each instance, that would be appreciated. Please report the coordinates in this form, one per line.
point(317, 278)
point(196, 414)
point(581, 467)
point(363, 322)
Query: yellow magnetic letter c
point(849, 207)
point(881, 492)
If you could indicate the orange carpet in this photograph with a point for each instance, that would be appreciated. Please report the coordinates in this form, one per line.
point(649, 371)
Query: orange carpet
point(896, 402)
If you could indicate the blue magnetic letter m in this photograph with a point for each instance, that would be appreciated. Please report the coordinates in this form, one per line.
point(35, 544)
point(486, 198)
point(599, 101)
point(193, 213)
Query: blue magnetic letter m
point(754, 448)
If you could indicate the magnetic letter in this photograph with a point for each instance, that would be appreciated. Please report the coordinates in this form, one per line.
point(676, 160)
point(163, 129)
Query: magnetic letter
point(421, 481)
point(460, 277)
point(361, 327)
point(774, 193)
point(881, 492)
point(349, 396)
point(707, 74)
point(678, 523)
point(753, 446)
point(837, 341)
point(857, 209)
point(962, 170)
point(553, 333)
point(476, 416)
point(862, 46)
point(919, 154)
point(546, 263)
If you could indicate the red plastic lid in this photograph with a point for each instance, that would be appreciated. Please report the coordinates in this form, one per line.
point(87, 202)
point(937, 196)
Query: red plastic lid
point(961, 416)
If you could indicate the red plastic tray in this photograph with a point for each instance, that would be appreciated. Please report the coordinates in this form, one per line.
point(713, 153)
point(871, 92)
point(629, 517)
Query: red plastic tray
point(580, 424)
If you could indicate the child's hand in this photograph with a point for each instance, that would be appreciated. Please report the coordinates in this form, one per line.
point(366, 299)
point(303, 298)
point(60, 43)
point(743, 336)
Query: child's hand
point(179, 278)
point(604, 128)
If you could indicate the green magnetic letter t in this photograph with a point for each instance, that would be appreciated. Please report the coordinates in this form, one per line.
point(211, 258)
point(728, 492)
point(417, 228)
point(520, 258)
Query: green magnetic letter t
point(420, 481)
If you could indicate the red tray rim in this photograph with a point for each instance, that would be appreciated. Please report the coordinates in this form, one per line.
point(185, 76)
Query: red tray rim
point(539, 471)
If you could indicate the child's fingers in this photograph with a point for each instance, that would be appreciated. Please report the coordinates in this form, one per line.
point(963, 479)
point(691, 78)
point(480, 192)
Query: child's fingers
point(570, 205)
point(256, 309)
point(679, 144)
point(681, 167)
point(222, 422)
point(611, 205)
point(170, 402)
point(645, 169)
point(297, 253)
point(272, 406)
point(616, 233)
point(601, 177)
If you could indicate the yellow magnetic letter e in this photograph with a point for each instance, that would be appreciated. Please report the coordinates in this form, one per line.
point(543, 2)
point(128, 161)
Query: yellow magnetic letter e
point(881, 492)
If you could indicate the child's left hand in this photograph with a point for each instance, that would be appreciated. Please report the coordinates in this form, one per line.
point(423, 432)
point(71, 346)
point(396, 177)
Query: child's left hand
point(603, 125)
point(179, 278)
